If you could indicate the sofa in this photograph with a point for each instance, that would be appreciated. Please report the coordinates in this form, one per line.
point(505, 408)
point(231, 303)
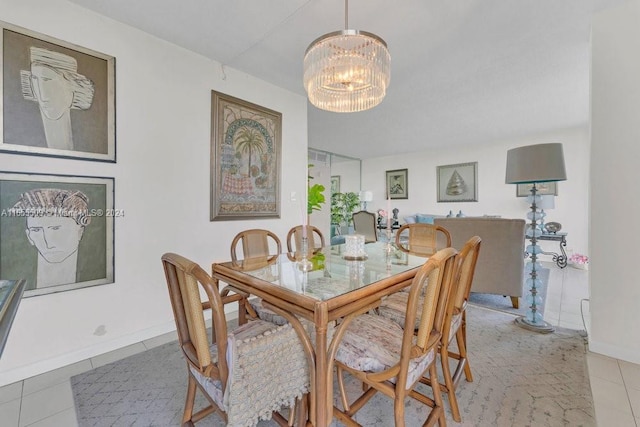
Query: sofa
point(500, 267)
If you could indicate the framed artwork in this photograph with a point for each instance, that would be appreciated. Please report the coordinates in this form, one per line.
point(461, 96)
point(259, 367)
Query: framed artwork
point(245, 159)
point(56, 231)
point(335, 184)
point(542, 188)
point(458, 183)
point(58, 99)
point(397, 184)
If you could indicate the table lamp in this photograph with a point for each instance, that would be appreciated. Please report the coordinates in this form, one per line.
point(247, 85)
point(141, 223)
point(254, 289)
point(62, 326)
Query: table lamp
point(365, 197)
point(534, 164)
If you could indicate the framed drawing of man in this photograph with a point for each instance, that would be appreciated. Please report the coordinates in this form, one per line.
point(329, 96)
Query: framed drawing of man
point(58, 99)
point(245, 159)
point(56, 231)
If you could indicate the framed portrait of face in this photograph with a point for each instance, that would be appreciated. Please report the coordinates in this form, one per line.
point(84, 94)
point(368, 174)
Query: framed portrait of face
point(58, 99)
point(56, 231)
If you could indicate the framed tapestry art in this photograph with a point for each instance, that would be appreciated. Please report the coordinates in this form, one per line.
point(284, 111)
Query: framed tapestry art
point(542, 188)
point(56, 231)
point(245, 159)
point(397, 184)
point(58, 99)
point(458, 183)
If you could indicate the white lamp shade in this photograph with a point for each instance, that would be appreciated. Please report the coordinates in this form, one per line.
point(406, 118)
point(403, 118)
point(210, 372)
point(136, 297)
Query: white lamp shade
point(547, 201)
point(366, 196)
point(535, 163)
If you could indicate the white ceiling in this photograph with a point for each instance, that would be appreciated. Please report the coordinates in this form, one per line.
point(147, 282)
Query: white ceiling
point(462, 72)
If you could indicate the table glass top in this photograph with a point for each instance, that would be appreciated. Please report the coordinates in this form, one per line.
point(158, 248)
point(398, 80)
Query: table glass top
point(332, 274)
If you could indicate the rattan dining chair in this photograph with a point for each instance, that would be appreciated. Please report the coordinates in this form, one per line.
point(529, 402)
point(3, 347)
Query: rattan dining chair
point(390, 359)
point(233, 370)
point(260, 248)
point(365, 223)
point(455, 324)
point(315, 239)
point(421, 239)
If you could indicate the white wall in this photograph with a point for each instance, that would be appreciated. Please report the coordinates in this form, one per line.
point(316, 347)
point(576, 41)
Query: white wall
point(349, 172)
point(494, 196)
point(161, 182)
point(615, 150)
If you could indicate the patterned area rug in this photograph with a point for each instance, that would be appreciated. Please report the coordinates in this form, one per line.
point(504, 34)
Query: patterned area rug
point(521, 378)
point(503, 303)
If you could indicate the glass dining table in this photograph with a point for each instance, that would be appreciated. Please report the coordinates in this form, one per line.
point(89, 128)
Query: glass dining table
point(335, 286)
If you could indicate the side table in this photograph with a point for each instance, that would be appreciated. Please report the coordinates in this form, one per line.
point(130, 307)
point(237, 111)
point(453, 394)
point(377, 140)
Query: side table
point(559, 258)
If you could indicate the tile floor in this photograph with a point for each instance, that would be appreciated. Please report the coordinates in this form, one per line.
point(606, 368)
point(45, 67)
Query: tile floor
point(46, 400)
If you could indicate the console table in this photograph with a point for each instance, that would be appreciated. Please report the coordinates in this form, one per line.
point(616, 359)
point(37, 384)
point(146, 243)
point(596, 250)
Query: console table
point(559, 258)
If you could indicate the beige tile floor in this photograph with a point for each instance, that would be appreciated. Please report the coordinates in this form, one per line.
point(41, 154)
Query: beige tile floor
point(46, 400)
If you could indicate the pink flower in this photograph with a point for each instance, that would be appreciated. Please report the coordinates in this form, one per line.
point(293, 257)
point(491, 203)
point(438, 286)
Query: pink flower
point(579, 259)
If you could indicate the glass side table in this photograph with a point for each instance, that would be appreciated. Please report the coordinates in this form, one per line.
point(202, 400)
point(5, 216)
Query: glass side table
point(559, 258)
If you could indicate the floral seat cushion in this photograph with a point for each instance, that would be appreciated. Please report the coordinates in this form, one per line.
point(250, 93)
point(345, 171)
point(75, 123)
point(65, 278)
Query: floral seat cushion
point(266, 314)
point(373, 343)
point(394, 308)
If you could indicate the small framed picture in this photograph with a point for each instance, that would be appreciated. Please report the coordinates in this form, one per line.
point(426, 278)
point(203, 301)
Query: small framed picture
point(458, 183)
point(542, 188)
point(398, 184)
point(335, 184)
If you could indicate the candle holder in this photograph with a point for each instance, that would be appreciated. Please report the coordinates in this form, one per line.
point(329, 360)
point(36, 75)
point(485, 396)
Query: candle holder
point(304, 264)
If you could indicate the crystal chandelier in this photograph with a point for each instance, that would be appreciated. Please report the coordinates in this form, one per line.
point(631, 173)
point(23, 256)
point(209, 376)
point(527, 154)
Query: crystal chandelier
point(347, 71)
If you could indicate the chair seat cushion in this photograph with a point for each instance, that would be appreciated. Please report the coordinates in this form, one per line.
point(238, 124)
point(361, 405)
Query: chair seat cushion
point(266, 314)
point(394, 307)
point(373, 343)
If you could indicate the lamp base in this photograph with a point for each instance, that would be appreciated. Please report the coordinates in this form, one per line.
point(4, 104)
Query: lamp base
point(541, 327)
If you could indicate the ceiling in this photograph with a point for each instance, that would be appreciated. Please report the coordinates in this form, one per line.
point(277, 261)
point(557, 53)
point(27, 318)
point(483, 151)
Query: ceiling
point(462, 72)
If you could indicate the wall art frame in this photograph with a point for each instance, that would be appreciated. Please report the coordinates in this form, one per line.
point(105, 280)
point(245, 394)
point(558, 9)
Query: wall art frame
point(397, 184)
point(245, 159)
point(542, 188)
point(57, 98)
point(74, 215)
point(335, 184)
point(458, 182)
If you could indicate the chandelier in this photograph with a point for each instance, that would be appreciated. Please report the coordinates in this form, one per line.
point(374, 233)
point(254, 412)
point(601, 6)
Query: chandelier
point(347, 71)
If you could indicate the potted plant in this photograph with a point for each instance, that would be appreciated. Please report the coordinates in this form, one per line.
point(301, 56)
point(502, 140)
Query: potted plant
point(342, 207)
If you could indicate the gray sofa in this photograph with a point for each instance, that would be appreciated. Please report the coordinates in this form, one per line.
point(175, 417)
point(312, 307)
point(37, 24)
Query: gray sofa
point(500, 267)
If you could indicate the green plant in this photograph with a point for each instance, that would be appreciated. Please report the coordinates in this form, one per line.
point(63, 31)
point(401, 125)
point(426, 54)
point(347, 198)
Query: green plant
point(315, 198)
point(315, 195)
point(342, 207)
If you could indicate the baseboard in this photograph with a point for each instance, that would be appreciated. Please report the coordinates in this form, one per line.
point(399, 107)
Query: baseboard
point(44, 366)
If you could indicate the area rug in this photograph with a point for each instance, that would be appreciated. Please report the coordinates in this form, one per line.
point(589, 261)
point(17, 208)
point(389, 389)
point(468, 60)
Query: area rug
point(503, 303)
point(521, 378)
